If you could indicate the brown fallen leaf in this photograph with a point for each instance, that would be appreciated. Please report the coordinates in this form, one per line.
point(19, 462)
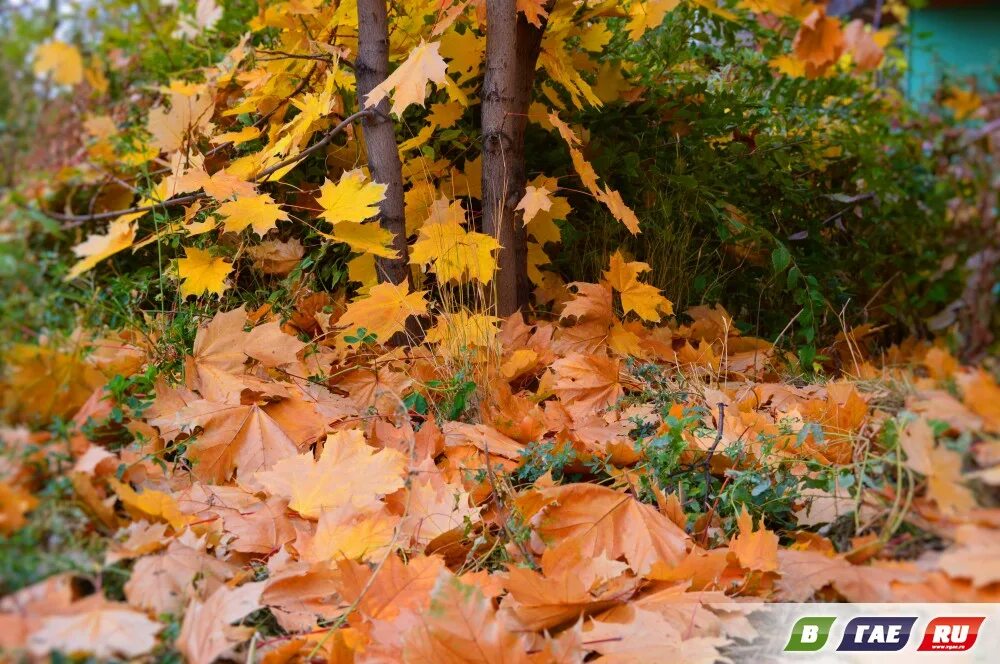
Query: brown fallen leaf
point(604, 521)
point(105, 630)
point(207, 632)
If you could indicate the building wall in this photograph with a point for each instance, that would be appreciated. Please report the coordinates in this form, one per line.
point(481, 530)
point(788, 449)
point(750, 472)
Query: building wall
point(964, 41)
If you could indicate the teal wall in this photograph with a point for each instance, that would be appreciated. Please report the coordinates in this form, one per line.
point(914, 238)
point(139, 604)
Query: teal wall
point(963, 41)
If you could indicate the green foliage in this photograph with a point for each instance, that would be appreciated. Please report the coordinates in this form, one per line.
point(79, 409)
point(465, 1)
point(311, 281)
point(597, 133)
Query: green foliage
point(797, 204)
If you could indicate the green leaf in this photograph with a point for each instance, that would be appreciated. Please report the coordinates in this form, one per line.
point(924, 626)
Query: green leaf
point(780, 259)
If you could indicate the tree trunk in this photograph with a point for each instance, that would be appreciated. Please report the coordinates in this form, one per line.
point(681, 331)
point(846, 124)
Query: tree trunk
point(501, 155)
point(512, 48)
point(370, 69)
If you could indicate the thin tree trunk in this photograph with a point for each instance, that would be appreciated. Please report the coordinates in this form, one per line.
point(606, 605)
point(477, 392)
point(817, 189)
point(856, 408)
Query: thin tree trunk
point(512, 48)
point(370, 69)
point(502, 154)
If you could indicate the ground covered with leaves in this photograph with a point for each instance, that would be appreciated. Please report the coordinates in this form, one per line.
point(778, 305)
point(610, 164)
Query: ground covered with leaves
point(228, 435)
point(550, 498)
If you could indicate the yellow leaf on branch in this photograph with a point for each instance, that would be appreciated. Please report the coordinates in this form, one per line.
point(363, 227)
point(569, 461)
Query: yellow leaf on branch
point(351, 198)
point(643, 299)
point(408, 83)
point(60, 59)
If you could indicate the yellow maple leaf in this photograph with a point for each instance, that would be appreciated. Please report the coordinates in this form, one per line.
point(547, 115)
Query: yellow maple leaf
point(247, 133)
point(202, 272)
point(345, 534)
point(795, 8)
point(445, 115)
point(351, 198)
point(534, 11)
point(643, 299)
point(788, 65)
point(534, 200)
point(647, 15)
point(962, 102)
point(619, 209)
point(455, 254)
point(259, 212)
point(463, 329)
point(362, 269)
point(364, 239)
point(349, 473)
point(119, 236)
point(60, 59)
point(383, 312)
point(151, 504)
point(409, 82)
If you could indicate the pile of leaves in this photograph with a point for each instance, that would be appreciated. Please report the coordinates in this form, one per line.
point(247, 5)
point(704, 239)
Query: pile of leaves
point(584, 502)
point(240, 443)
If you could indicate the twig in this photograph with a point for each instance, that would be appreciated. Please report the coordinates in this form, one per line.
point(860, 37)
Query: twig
point(75, 220)
point(711, 451)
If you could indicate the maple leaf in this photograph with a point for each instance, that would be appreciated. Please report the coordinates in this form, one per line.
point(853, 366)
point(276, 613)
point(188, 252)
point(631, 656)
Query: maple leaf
point(643, 299)
point(859, 41)
point(437, 507)
point(107, 630)
point(587, 383)
point(398, 587)
point(351, 199)
point(345, 533)
point(369, 239)
point(455, 254)
point(534, 11)
point(964, 103)
point(201, 273)
point(819, 42)
point(221, 185)
point(271, 346)
point(348, 473)
point(941, 466)
point(647, 15)
point(462, 621)
point(119, 236)
point(535, 199)
point(572, 585)
point(151, 504)
point(207, 632)
point(163, 583)
point(299, 592)
point(259, 212)
point(383, 312)
point(189, 115)
point(755, 549)
point(60, 59)
point(218, 356)
point(619, 210)
point(277, 257)
point(463, 330)
point(248, 437)
point(605, 522)
point(141, 537)
point(648, 636)
point(409, 82)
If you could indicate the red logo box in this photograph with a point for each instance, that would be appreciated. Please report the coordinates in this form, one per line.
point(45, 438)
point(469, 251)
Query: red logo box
point(952, 634)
